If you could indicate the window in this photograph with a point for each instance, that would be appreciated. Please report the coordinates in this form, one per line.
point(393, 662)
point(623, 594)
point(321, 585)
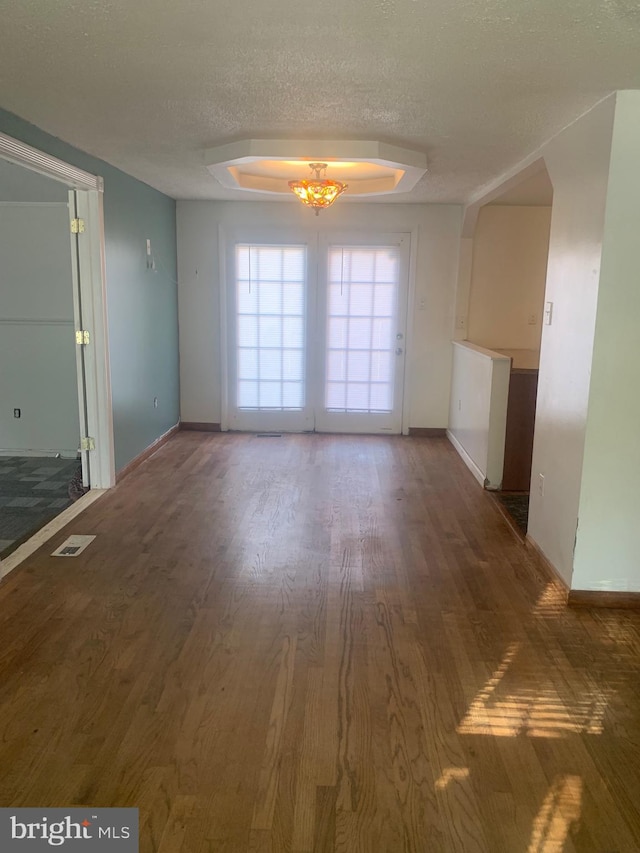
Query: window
point(361, 307)
point(270, 299)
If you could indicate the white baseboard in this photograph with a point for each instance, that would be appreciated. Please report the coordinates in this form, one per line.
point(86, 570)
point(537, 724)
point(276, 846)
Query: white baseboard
point(468, 461)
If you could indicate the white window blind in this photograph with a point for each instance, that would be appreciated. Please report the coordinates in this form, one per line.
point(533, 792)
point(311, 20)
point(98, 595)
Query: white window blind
point(270, 332)
point(362, 296)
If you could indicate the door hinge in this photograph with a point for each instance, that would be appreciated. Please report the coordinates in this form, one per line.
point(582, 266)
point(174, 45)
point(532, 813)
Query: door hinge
point(88, 443)
point(77, 226)
point(83, 337)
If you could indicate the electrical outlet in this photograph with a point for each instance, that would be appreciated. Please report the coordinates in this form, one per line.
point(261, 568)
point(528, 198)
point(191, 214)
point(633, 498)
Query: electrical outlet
point(532, 319)
point(17, 413)
point(541, 485)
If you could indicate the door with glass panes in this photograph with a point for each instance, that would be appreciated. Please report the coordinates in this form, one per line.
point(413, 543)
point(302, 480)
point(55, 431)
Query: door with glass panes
point(316, 333)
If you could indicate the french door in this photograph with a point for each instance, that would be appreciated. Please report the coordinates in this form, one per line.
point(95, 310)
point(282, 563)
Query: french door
point(271, 299)
point(315, 332)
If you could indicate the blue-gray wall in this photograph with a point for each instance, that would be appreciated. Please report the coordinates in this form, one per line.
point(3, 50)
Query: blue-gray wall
point(142, 305)
point(19, 184)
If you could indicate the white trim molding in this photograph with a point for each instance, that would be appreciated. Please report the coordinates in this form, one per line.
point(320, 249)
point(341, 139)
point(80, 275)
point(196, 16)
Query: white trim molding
point(94, 319)
point(24, 155)
point(468, 461)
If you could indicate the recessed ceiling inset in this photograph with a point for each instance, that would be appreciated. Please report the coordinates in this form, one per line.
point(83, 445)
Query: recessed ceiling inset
point(267, 165)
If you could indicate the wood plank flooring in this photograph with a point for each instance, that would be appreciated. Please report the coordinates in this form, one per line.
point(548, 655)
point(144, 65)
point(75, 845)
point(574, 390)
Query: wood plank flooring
point(316, 644)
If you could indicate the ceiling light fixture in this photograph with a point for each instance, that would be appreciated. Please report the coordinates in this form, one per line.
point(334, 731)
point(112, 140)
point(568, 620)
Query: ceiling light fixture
point(317, 192)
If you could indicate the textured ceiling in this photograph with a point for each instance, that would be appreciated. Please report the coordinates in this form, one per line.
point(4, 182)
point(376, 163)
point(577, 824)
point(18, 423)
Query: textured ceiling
point(476, 85)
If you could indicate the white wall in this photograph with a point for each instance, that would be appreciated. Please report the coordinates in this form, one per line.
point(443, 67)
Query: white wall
point(463, 287)
point(510, 249)
point(430, 319)
point(607, 554)
point(478, 411)
point(37, 347)
point(578, 163)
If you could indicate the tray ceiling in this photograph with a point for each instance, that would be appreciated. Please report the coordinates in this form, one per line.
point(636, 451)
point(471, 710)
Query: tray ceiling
point(476, 87)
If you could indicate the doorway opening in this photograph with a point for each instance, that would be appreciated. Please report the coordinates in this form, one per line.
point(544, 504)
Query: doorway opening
point(506, 316)
point(57, 439)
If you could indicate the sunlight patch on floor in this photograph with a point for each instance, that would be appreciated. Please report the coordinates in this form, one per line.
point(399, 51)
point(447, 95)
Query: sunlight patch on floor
point(561, 808)
point(552, 600)
point(518, 701)
point(449, 774)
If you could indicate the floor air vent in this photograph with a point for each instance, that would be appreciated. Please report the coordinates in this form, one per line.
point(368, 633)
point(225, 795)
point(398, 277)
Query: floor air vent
point(73, 546)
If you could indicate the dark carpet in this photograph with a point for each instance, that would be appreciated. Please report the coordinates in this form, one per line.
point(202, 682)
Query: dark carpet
point(518, 508)
point(33, 490)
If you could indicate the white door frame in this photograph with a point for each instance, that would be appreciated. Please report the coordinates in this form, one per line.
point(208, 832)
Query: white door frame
point(91, 256)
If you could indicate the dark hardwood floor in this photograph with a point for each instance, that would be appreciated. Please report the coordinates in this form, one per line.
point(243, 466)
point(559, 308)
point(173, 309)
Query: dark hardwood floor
point(317, 643)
